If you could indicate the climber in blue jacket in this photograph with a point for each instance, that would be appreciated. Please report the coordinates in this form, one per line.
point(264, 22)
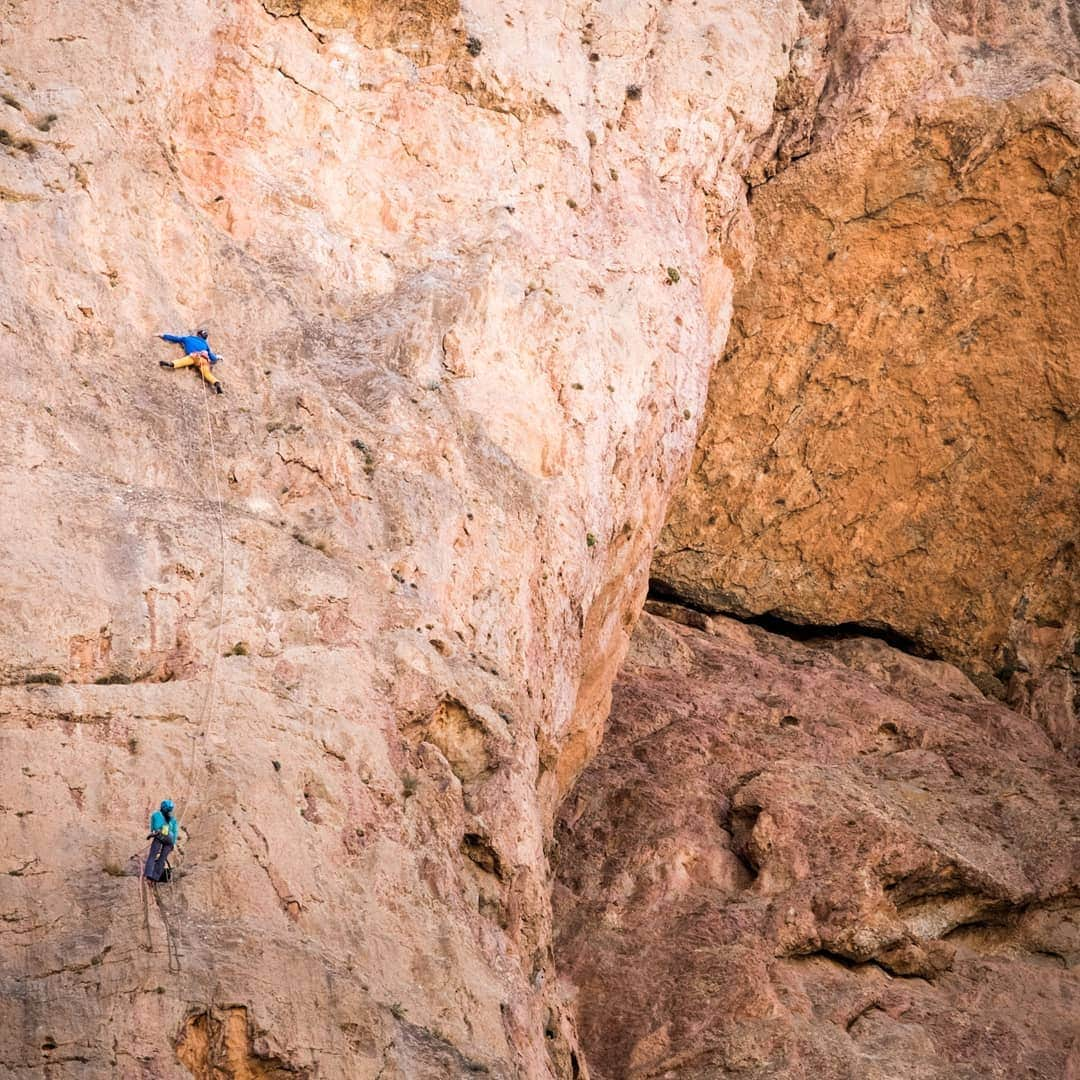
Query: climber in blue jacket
point(163, 833)
point(197, 353)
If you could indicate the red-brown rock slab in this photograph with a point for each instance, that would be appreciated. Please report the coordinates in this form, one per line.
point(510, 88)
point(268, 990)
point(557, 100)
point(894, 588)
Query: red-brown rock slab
point(817, 859)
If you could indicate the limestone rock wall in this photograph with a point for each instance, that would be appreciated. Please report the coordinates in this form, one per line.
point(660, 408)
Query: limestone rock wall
point(891, 438)
point(466, 266)
point(470, 265)
point(811, 853)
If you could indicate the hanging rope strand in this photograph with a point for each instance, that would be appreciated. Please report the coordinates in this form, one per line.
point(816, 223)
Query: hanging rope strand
point(173, 933)
point(206, 719)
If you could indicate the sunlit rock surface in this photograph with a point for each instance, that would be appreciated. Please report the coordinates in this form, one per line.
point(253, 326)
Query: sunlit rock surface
point(468, 268)
point(891, 438)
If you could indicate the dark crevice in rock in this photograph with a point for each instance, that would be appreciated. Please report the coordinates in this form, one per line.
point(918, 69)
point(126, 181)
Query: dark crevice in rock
point(864, 1011)
point(778, 624)
point(742, 827)
point(854, 965)
point(480, 850)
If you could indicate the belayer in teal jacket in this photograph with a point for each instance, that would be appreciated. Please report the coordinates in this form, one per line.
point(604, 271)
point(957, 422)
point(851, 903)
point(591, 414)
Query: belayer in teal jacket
point(163, 833)
point(163, 826)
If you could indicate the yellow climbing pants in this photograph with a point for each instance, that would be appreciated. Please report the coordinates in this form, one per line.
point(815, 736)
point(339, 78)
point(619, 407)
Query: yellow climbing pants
point(202, 362)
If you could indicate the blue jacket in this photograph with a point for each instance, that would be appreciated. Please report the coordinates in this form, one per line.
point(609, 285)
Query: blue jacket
point(159, 826)
point(192, 344)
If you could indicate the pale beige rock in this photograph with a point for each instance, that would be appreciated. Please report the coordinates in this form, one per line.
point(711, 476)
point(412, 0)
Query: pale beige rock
point(469, 267)
point(460, 384)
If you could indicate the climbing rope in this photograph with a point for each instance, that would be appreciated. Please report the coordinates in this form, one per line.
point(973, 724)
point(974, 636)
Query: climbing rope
point(148, 945)
point(206, 718)
point(173, 933)
point(173, 936)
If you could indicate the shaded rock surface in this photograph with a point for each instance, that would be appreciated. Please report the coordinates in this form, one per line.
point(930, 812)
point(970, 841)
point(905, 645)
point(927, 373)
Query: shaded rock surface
point(892, 436)
point(810, 860)
point(359, 616)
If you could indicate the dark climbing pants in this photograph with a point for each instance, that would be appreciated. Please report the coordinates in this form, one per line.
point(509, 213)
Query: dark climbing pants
point(155, 861)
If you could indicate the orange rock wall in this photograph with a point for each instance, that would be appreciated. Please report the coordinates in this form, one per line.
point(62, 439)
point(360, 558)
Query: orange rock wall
point(891, 436)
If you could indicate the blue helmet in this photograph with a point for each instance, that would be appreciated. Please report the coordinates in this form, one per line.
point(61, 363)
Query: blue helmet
point(166, 805)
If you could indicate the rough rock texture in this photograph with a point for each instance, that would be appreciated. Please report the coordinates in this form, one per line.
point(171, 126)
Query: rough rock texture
point(818, 860)
point(470, 265)
point(892, 438)
point(466, 267)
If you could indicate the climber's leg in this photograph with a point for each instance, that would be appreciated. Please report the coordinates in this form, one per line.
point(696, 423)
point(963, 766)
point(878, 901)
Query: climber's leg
point(151, 860)
point(206, 371)
point(155, 861)
point(184, 361)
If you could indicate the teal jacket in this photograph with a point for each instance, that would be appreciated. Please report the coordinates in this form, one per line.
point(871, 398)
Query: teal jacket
point(160, 827)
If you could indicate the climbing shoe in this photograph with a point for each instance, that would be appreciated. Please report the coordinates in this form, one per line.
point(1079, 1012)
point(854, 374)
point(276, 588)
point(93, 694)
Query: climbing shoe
point(165, 363)
point(218, 388)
